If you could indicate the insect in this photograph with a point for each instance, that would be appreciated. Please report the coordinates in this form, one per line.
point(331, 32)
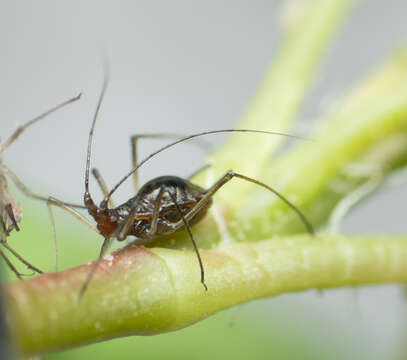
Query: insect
point(10, 210)
point(163, 205)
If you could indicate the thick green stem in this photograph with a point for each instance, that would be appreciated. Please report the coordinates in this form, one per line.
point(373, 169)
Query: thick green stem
point(149, 292)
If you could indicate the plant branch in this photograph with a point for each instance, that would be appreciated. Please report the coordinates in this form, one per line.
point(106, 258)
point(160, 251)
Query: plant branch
point(365, 139)
point(146, 292)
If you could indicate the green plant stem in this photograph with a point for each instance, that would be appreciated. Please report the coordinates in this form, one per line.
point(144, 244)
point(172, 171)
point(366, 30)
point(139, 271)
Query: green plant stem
point(284, 87)
point(147, 292)
point(365, 139)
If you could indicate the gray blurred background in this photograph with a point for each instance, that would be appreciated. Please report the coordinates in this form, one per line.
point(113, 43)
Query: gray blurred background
point(186, 66)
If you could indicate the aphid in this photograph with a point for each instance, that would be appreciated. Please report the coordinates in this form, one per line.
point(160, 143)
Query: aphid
point(163, 205)
point(10, 210)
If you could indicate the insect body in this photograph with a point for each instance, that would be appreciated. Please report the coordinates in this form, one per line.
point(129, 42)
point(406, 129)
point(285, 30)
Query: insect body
point(162, 206)
point(10, 210)
point(153, 211)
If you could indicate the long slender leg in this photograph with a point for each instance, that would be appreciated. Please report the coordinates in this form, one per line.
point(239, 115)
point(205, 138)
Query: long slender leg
point(58, 203)
point(153, 227)
point(202, 143)
point(99, 179)
point(6, 259)
point(10, 264)
point(54, 233)
point(25, 190)
point(121, 234)
point(19, 257)
point(105, 246)
point(156, 212)
point(14, 136)
point(51, 202)
point(186, 224)
point(14, 225)
point(226, 178)
point(55, 202)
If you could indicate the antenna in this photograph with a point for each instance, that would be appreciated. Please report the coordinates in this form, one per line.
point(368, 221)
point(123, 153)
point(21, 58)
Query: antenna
point(102, 95)
point(188, 138)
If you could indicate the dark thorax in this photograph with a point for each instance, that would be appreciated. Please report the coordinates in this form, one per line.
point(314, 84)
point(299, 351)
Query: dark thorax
point(186, 194)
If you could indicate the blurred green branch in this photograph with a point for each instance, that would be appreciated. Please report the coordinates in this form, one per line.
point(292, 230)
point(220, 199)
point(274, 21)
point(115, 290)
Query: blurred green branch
point(140, 291)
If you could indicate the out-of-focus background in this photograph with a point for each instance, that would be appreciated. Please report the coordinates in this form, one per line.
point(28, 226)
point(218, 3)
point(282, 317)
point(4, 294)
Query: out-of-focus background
point(188, 66)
